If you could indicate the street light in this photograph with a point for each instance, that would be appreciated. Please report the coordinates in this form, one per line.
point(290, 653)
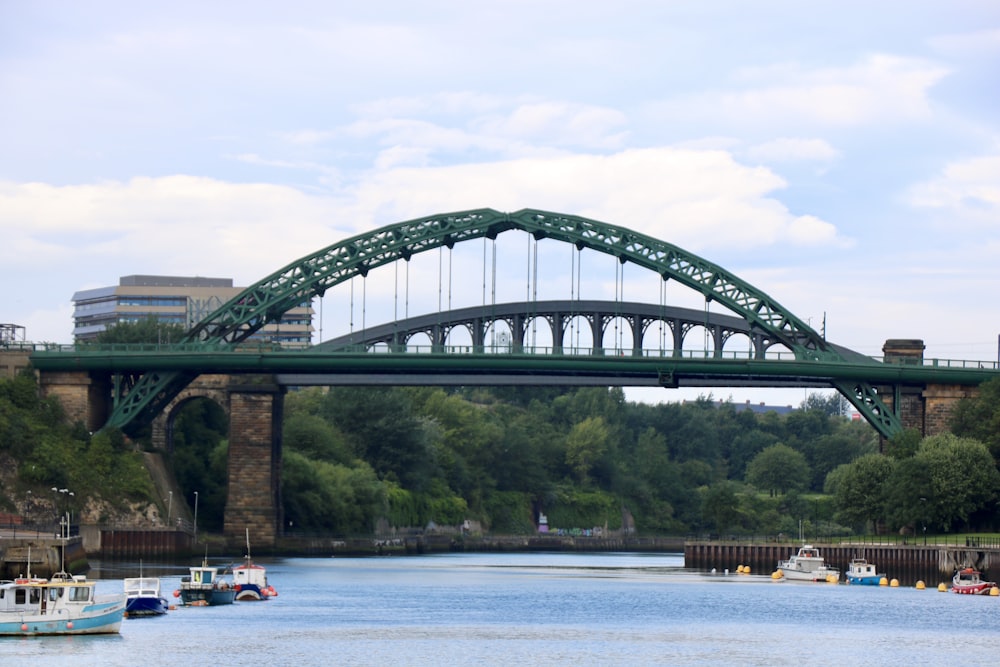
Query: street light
point(195, 517)
point(923, 512)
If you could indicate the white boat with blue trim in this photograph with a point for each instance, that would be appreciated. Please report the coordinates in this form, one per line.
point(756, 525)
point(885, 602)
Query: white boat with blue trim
point(62, 605)
point(143, 597)
point(860, 571)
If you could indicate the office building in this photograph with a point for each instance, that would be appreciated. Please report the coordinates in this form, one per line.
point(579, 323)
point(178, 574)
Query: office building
point(177, 300)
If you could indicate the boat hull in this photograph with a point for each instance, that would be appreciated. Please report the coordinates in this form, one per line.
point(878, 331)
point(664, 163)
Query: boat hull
point(864, 581)
point(101, 618)
point(979, 589)
point(814, 575)
point(146, 606)
point(207, 598)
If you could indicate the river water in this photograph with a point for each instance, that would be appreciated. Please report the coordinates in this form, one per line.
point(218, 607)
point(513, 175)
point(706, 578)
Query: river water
point(535, 609)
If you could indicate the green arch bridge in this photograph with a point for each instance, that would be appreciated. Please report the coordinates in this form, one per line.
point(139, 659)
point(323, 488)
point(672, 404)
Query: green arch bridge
point(145, 379)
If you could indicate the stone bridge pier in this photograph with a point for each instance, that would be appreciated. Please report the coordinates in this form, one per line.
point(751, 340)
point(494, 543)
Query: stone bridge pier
point(926, 408)
point(255, 407)
point(254, 498)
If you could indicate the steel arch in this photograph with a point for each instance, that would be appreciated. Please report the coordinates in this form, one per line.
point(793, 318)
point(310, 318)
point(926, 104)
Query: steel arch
point(311, 276)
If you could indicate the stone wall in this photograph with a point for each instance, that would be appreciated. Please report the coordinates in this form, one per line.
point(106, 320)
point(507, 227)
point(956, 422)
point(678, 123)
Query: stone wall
point(253, 503)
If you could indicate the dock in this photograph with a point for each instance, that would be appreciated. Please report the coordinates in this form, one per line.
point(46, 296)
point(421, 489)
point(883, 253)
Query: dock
point(908, 562)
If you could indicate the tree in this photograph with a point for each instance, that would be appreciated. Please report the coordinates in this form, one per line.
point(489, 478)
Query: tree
point(861, 491)
point(720, 506)
point(148, 330)
point(979, 417)
point(963, 478)
point(585, 445)
point(778, 469)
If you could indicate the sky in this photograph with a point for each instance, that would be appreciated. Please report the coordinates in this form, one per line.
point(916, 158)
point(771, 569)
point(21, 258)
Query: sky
point(842, 157)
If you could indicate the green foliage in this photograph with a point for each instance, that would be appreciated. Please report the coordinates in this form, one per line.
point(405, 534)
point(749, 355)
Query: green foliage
point(778, 469)
point(200, 458)
point(148, 330)
point(361, 457)
point(860, 492)
point(509, 512)
point(320, 495)
point(586, 444)
point(903, 445)
point(575, 509)
point(963, 479)
point(979, 418)
point(52, 453)
point(720, 507)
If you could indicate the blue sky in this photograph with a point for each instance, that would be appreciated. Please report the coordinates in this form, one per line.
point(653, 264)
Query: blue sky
point(843, 157)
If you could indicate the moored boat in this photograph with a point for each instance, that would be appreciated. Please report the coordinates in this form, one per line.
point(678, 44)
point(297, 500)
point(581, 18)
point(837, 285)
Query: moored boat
point(969, 581)
point(860, 571)
point(143, 598)
point(250, 579)
point(205, 587)
point(63, 605)
point(808, 565)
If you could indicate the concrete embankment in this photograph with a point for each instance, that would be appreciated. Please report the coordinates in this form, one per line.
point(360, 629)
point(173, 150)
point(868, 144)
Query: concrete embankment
point(41, 556)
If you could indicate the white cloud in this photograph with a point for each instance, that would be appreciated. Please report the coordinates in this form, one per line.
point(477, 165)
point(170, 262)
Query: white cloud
point(695, 199)
point(788, 149)
point(173, 225)
point(967, 190)
point(879, 89)
point(980, 43)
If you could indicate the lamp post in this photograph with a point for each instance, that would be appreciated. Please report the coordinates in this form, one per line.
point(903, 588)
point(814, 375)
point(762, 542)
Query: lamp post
point(923, 513)
point(61, 509)
point(195, 517)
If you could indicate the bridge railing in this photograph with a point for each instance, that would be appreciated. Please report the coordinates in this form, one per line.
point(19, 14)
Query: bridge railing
point(264, 347)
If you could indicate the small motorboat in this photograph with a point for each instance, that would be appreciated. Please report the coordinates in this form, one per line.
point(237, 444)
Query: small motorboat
point(205, 587)
point(969, 581)
point(807, 565)
point(250, 579)
point(860, 571)
point(143, 598)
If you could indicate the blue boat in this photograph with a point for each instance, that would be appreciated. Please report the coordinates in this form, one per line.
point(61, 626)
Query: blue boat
point(205, 587)
point(860, 571)
point(63, 605)
point(143, 598)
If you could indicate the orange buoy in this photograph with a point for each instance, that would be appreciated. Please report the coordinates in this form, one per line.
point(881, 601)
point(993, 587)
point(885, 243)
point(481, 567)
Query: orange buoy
point(24, 627)
point(177, 594)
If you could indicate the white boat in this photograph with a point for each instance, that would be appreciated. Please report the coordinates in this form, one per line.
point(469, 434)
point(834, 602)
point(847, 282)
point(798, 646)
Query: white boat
point(250, 579)
point(143, 598)
point(63, 605)
point(969, 581)
point(808, 565)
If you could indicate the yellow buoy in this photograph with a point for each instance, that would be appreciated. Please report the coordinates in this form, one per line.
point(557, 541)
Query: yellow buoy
point(831, 578)
point(894, 583)
point(920, 586)
point(883, 582)
point(777, 574)
point(746, 569)
point(942, 588)
point(994, 591)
